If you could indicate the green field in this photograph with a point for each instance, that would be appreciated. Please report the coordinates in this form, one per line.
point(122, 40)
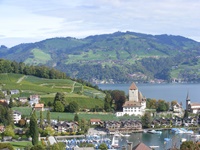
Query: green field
point(70, 116)
point(85, 96)
point(21, 144)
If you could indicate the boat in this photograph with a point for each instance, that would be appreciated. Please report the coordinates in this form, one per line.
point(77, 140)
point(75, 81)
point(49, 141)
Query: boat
point(154, 132)
point(181, 130)
point(183, 139)
point(115, 141)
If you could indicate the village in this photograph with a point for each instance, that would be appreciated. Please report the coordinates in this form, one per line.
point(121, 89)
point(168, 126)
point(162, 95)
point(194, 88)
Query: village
point(176, 117)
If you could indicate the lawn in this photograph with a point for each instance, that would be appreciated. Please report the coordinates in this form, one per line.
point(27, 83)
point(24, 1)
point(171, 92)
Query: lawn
point(70, 116)
point(21, 144)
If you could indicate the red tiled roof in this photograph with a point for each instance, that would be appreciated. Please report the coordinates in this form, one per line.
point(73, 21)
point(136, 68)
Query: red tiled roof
point(133, 87)
point(39, 105)
point(95, 120)
point(131, 104)
point(141, 146)
point(195, 104)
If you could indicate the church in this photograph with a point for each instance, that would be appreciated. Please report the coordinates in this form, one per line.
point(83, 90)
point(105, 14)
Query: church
point(192, 107)
point(136, 103)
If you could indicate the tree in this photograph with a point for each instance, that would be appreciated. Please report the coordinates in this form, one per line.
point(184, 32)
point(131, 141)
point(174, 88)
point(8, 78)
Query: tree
point(119, 99)
point(10, 103)
point(6, 146)
point(2, 96)
point(41, 119)
point(103, 146)
point(34, 128)
point(107, 102)
point(60, 97)
point(73, 107)
point(9, 131)
point(22, 122)
point(146, 120)
point(189, 145)
point(57, 146)
point(162, 105)
point(37, 147)
point(76, 118)
point(151, 103)
point(58, 106)
point(48, 117)
point(186, 114)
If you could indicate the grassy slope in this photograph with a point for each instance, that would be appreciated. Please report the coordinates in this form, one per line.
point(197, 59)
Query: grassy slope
point(39, 57)
point(48, 87)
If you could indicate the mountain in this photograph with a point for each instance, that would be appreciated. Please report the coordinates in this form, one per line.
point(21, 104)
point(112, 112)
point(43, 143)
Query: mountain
point(117, 57)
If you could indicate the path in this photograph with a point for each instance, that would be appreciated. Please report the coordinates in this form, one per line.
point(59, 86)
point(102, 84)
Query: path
point(20, 79)
point(73, 87)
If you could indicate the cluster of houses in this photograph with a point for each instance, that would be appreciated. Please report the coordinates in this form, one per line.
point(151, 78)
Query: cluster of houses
point(123, 125)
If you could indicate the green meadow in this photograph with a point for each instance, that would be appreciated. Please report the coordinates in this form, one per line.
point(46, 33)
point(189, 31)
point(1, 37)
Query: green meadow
point(85, 96)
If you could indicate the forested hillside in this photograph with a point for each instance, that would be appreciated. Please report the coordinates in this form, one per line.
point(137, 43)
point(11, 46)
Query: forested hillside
point(118, 57)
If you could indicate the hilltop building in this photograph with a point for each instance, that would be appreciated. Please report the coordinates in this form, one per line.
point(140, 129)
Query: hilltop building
point(192, 107)
point(136, 104)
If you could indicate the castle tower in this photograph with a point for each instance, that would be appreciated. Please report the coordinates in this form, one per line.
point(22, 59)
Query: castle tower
point(187, 102)
point(133, 92)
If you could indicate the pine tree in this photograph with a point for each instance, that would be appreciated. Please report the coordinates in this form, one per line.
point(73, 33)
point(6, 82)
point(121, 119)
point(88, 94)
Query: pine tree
point(41, 119)
point(34, 128)
point(10, 103)
point(48, 118)
point(76, 118)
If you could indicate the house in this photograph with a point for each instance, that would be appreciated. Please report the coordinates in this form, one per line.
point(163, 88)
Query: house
point(14, 92)
point(95, 121)
point(23, 99)
point(141, 146)
point(177, 108)
point(39, 107)
point(4, 102)
point(136, 104)
point(34, 99)
point(192, 107)
point(16, 116)
point(65, 126)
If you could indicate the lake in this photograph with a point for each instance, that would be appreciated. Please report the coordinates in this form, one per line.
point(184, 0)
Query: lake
point(166, 92)
point(156, 139)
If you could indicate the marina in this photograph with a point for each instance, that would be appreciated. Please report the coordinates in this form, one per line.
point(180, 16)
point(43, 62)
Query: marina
point(157, 139)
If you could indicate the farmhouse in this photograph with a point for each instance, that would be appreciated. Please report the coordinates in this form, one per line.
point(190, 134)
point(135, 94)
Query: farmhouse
point(136, 104)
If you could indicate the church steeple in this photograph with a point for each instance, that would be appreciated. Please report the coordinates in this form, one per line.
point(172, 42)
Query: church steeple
point(187, 101)
point(187, 98)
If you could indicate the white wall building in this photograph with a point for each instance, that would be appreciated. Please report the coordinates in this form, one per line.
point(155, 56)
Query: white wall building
point(192, 107)
point(136, 104)
point(16, 116)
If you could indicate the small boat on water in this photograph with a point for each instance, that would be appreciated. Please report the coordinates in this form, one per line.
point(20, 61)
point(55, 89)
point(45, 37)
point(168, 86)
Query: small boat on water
point(181, 130)
point(154, 132)
point(183, 139)
point(115, 141)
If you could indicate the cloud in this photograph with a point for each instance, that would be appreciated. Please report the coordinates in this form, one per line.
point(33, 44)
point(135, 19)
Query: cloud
point(80, 18)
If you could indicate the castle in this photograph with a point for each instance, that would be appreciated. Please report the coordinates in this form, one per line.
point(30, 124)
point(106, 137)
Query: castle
point(136, 104)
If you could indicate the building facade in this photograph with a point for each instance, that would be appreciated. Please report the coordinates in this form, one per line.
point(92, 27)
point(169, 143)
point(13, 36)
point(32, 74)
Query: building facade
point(136, 103)
point(192, 107)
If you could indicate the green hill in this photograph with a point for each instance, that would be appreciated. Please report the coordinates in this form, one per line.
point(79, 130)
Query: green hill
point(85, 96)
point(120, 57)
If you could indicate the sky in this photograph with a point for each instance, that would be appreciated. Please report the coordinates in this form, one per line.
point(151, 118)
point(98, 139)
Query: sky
point(24, 21)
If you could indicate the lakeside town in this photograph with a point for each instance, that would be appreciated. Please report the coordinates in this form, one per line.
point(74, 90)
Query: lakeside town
point(81, 133)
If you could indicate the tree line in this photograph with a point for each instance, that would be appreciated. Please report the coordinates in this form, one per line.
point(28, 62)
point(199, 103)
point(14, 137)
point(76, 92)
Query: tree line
point(7, 66)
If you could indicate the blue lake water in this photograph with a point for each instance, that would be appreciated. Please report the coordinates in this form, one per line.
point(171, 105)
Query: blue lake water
point(166, 92)
point(157, 139)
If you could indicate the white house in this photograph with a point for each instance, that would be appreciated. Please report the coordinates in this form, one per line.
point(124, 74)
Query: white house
point(192, 107)
point(16, 116)
point(34, 99)
point(136, 104)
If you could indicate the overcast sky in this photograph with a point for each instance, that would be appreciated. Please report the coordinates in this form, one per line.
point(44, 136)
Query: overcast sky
point(25, 21)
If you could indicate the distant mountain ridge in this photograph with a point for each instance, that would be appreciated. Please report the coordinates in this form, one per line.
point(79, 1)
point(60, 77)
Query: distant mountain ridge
point(117, 57)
